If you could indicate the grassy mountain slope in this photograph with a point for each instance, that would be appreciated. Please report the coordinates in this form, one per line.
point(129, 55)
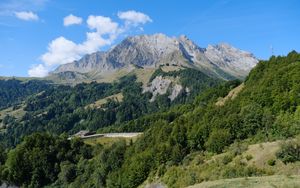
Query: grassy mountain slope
point(253, 182)
point(238, 160)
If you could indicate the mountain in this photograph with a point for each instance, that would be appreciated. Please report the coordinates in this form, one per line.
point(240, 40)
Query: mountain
point(152, 51)
point(228, 130)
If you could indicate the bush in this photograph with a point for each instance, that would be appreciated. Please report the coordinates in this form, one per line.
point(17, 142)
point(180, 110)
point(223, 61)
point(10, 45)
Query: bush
point(271, 162)
point(218, 139)
point(289, 152)
point(238, 148)
point(227, 159)
point(241, 171)
point(249, 157)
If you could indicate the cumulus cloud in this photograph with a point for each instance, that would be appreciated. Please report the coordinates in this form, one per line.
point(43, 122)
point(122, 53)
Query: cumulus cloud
point(72, 20)
point(38, 71)
point(27, 16)
point(61, 51)
point(103, 25)
point(103, 31)
point(134, 17)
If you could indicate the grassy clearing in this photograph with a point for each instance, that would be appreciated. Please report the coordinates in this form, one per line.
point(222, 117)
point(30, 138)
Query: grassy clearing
point(112, 76)
point(108, 140)
point(143, 75)
point(237, 161)
point(278, 181)
point(231, 95)
point(17, 113)
point(263, 153)
point(171, 68)
point(97, 104)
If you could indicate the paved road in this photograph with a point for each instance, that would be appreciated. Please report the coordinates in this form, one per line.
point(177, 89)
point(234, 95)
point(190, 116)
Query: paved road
point(112, 135)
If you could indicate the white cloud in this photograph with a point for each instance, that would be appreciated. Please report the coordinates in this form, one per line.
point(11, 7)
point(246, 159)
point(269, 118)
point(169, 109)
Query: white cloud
point(134, 17)
point(27, 16)
point(103, 25)
point(38, 71)
point(72, 20)
point(103, 32)
point(93, 42)
point(9, 7)
point(60, 51)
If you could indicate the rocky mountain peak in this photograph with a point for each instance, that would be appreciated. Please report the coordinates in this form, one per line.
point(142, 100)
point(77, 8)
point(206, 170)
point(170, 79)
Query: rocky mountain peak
point(156, 43)
point(227, 56)
point(222, 60)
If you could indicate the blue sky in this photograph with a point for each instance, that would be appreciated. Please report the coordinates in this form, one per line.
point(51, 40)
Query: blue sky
point(29, 27)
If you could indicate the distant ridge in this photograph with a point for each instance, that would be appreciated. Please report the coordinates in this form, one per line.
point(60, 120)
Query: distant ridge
point(151, 51)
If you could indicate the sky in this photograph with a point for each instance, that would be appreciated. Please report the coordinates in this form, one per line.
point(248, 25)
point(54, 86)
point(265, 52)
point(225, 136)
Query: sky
point(36, 36)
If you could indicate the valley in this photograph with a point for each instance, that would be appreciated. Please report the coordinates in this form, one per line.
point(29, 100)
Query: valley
point(149, 94)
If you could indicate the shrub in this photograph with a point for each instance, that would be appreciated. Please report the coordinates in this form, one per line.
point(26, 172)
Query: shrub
point(218, 139)
point(289, 152)
point(199, 159)
point(271, 162)
point(241, 171)
point(249, 157)
point(227, 159)
point(238, 148)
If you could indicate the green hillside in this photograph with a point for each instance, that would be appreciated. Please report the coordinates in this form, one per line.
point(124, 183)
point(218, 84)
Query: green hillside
point(184, 143)
point(67, 109)
point(14, 91)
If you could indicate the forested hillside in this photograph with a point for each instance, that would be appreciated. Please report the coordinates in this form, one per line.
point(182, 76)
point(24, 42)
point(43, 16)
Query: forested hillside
point(266, 109)
point(13, 91)
point(66, 109)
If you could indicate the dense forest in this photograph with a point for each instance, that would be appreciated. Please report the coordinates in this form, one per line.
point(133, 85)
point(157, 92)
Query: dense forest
point(266, 109)
point(13, 91)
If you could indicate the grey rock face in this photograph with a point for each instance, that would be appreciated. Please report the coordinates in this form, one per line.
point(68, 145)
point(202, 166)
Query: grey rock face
point(144, 50)
point(175, 91)
point(158, 86)
point(231, 60)
point(96, 61)
point(222, 61)
point(161, 85)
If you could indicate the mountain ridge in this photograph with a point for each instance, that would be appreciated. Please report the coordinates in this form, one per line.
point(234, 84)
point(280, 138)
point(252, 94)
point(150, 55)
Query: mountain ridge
point(151, 51)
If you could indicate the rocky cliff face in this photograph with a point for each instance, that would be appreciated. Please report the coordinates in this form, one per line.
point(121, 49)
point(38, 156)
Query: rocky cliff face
point(163, 85)
point(89, 63)
point(221, 61)
point(231, 60)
